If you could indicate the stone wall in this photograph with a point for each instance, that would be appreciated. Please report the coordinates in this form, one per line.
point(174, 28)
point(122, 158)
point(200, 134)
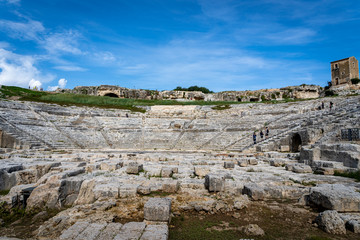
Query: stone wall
point(294, 92)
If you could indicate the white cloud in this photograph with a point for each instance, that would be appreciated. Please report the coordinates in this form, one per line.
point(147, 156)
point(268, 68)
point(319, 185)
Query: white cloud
point(104, 57)
point(30, 30)
point(63, 42)
point(61, 84)
point(71, 68)
point(35, 84)
point(292, 36)
point(19, 70)
point(11, 1)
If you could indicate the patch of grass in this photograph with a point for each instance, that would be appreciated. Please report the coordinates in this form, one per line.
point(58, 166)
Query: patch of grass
point(195, 229)
point(317, 238)
point(221, 107)
point(4, 192)
point(310, 183)
point(159, 194)
point(355, 175)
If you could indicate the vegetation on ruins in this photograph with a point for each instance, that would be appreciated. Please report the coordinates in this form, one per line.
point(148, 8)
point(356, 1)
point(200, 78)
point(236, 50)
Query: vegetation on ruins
point(355, 81)
point(135, 105)
point(329, 93)
point(194, 88)
point(355, 175)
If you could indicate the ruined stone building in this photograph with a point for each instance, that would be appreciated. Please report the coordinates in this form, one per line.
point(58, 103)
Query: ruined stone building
point(342, 71)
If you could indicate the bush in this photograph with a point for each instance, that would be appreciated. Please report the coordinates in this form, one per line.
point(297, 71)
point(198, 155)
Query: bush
point(193, 88)
point(328, 86)
point(355, 81)
point(329, 93)
point(263, 98)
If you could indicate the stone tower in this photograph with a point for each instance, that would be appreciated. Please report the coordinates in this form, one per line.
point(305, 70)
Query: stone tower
point(342, 71)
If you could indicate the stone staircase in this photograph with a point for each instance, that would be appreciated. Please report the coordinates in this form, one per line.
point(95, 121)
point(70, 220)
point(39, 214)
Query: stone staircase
point(24, 140)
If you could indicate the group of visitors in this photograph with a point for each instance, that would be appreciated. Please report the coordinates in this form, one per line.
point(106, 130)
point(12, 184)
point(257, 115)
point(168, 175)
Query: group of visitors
point(261, 134)
point(322, 107)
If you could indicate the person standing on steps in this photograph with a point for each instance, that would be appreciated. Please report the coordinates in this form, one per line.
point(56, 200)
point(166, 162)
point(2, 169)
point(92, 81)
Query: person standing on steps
point(322, 105)
point(261, 135)
point(266, 132)
point(254, 137)
point(331, 105)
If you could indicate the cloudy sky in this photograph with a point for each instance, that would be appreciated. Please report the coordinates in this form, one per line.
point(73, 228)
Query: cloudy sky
point(162, 44)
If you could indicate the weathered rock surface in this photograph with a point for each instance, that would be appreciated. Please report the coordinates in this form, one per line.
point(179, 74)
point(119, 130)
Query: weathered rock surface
point(157, 209)
point(331, 222)
point(335, 197)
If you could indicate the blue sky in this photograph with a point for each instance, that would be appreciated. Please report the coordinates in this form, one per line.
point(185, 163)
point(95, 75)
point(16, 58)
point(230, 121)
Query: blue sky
point(161, 44)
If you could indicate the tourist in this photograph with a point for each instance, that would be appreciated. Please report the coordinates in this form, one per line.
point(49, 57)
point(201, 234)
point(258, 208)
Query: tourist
point(322, 105)
point(254, 137)
point(331, 105)
point(261, 135)
point(266, 132)
point(127, 115)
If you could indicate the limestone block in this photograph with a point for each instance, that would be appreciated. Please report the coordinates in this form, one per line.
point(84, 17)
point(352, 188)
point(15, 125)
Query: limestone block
point(241, 202)
point(253, 230)
point(26, 176)
point(156, 232)
point(106, 190)
point(92, 167)
point(170, 186)
point(252, 161)
point(277, 162)
point(284, 148)
point(166, 172)
point(243, 163)
point(144, 190)
point(110, 166)
point(331, 222)
point(254, 191)
point(131, 230)
point(110, 231)
point(7, 181)
point(86, 194)
point(325, 171)
point(134, 168)
point(128, 190)
point(289, 167)
point(157, 209)
point(91, 232)
point(45, 195)
point(201, 171)
point(73, 231)
point(229, 165)
point(335, 197)
point(353, 226)
point(297, 168)
point(214, 182)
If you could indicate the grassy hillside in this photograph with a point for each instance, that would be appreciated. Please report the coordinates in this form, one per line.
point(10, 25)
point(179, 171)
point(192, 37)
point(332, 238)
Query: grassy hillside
point(22, 94)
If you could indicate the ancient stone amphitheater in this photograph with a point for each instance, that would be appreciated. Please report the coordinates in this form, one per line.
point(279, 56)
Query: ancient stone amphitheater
point(116, 174)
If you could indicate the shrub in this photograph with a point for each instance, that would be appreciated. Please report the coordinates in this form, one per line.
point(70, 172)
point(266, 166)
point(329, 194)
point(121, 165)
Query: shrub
point(355, 81)
point(329, 93)
point(273, 96)
point(263, 98)
point(193, 88)
point(328, 86)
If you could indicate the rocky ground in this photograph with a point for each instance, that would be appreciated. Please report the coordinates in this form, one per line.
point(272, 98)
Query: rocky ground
point(266, 189)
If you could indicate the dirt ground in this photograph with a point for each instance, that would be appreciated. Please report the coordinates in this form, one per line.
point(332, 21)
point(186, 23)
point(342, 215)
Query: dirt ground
point(278, 220)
